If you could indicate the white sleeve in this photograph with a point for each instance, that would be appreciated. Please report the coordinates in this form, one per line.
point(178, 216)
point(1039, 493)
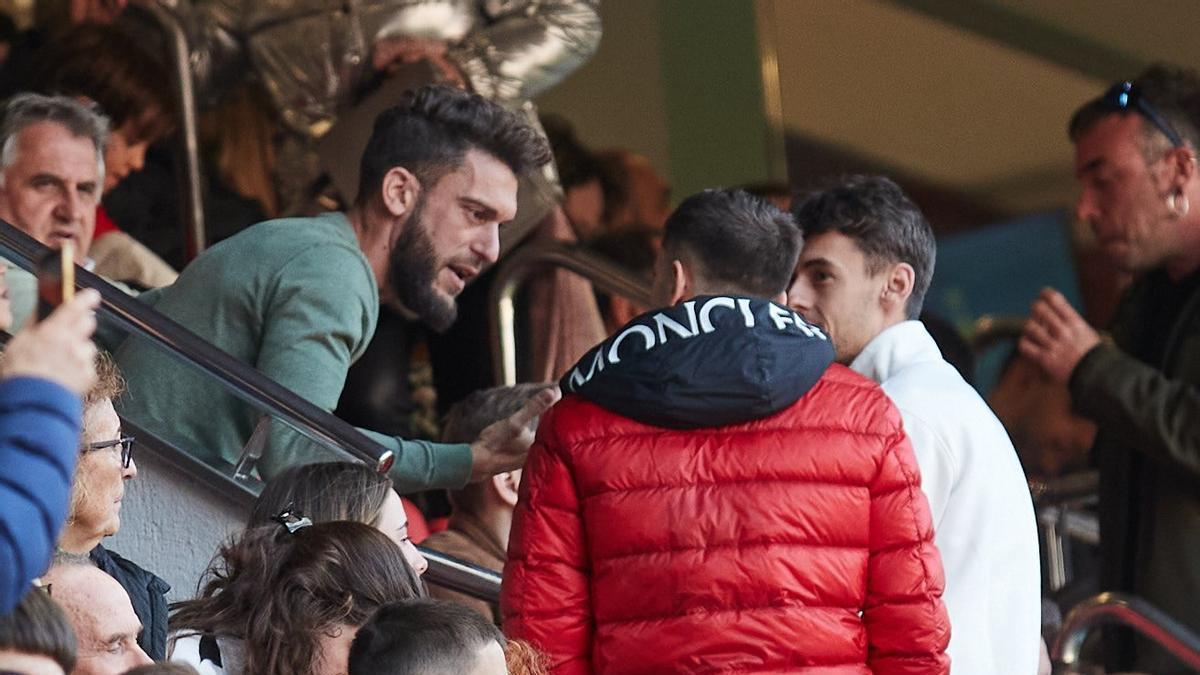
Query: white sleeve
point(939, 467)
point(186, 649)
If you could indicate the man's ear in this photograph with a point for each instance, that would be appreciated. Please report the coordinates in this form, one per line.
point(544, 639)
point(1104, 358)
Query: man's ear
point(506, 485)
point(1182, 162)
point(898, 286)
point(398, 191)
point(681, 283)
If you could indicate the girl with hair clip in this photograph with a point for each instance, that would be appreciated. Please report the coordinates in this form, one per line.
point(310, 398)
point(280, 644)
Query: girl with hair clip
point(327, 491)
point(288, 597)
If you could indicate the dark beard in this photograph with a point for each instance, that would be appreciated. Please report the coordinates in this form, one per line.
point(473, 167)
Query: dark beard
point(412, 269)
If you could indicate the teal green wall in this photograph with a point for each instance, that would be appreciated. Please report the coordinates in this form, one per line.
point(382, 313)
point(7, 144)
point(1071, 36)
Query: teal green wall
point(679, 82)
point(717, 129)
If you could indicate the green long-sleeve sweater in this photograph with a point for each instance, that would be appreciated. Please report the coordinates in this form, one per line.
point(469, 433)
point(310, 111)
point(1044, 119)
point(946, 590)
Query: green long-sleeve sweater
point(296, 299)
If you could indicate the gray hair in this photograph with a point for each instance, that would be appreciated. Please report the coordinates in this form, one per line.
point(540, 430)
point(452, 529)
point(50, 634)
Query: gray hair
point(26, 109)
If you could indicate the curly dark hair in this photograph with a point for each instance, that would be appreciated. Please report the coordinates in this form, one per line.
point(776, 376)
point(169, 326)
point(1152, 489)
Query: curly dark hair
point(278, 592)
point(431, 131)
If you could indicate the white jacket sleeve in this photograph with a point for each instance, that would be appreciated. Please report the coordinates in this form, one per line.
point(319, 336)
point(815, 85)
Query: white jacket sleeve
point(939, 468)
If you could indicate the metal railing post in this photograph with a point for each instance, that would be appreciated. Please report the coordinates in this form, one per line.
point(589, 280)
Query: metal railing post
point(192, 206)
point(531, 259)
point(1126, 610)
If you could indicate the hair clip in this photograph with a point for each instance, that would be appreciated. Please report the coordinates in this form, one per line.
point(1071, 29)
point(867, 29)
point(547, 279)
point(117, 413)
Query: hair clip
point(294, 522)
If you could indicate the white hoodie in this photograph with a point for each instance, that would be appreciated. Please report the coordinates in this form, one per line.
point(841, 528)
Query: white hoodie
point(983, 517)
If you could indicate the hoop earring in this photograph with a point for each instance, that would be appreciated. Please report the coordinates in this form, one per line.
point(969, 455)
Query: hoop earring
point(1179, 206)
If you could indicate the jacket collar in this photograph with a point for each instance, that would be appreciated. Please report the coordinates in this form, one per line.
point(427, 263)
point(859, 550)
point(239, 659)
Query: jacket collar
point(711, 361)
point(895, 349)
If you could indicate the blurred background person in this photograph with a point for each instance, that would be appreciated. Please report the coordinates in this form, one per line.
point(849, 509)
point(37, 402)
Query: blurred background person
point(107, 66)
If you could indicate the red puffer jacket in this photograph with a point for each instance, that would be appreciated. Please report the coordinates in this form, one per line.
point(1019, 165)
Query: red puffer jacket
point(799, 541)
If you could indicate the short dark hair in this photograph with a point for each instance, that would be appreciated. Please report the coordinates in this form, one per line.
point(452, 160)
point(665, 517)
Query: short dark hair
point(421, 637)
point(887, 226)
point(37, 626)
point(741, 243)
point(431, 131)
point(1172, 91)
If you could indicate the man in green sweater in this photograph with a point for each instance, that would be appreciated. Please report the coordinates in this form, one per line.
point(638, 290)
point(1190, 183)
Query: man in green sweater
point(298, 298)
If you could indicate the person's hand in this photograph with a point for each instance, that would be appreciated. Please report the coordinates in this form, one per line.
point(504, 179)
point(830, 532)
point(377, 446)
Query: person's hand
point(1056, 337)
point(59, 348)
point(503, 446)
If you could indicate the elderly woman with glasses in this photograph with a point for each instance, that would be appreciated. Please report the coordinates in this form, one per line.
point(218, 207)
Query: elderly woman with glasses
point(105, 463)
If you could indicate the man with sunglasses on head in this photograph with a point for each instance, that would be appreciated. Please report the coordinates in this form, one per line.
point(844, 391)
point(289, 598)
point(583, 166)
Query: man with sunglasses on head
point(1135, 159)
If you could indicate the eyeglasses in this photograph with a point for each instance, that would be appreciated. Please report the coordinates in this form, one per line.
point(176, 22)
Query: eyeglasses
point(1125, 96)
point(126, 443)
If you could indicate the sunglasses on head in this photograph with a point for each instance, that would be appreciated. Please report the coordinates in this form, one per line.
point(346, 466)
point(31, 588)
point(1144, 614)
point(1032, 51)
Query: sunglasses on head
point(1125, 96)
point(126, 443)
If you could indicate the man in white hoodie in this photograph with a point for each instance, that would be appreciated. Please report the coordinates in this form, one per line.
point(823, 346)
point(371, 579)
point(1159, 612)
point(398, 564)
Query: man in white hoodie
point(867, 261)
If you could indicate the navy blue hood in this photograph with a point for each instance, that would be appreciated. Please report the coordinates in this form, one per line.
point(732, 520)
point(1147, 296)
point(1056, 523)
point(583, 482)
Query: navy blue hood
point(712, 361)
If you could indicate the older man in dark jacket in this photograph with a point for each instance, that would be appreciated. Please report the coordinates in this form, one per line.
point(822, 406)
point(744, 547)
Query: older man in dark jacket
point(1135, 156)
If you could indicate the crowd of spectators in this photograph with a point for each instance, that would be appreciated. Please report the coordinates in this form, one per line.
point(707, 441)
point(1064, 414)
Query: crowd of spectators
point(774, 467)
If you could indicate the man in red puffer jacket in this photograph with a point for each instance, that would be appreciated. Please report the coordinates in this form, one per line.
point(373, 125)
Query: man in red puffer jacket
point(712, 495)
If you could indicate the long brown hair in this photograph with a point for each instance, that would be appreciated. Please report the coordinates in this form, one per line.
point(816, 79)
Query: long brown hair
point(278, 592)
point(324, 491)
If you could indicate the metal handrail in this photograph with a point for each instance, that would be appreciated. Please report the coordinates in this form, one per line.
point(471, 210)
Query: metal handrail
point(448, 572)
point(990, 329)
point(444, 571)
point(240, 378)
point(531, 259)
point(1066, 488)
point(1130, 611)
point(192, 205)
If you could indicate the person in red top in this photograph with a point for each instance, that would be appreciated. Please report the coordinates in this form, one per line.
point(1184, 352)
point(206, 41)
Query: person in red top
point(713, 495)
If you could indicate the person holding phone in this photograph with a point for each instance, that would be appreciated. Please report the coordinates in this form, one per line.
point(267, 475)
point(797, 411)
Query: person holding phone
point(45, 370)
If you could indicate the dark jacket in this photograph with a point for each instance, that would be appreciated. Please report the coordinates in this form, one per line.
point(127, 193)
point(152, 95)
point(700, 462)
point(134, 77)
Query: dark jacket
point(39, 441)
point(147, 592)
point(1148, 452)
point(711, 495)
